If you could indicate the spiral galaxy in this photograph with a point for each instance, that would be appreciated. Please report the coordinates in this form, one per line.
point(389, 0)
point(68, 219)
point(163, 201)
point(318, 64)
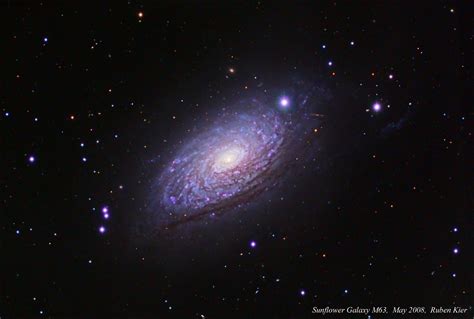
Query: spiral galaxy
point(241, 155)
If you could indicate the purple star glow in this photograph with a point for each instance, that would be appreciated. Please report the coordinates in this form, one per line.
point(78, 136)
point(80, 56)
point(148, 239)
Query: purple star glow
point(376, 107)
point(284, 102)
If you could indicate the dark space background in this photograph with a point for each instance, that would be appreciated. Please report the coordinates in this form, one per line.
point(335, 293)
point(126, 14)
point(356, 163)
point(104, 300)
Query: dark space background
point(92, 95)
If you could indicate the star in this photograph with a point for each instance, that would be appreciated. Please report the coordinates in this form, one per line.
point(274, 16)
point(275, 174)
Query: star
point(376, 107)
point(284, 102)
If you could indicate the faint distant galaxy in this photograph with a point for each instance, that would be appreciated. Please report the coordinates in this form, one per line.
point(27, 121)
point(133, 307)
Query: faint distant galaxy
point(248, 149)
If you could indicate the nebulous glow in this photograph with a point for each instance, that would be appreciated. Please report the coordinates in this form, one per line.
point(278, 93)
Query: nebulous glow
point(226, 162)
point(228, 158)
point(229, 163)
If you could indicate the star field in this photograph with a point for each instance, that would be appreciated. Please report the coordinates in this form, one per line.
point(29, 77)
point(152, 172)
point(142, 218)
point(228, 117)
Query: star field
point(231, 160)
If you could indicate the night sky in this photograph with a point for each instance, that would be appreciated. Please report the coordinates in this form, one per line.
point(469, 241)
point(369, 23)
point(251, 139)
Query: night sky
point(124, 126)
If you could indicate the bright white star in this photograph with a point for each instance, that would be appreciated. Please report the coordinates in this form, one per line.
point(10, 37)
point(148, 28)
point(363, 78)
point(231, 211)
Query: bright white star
point(284, 101)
